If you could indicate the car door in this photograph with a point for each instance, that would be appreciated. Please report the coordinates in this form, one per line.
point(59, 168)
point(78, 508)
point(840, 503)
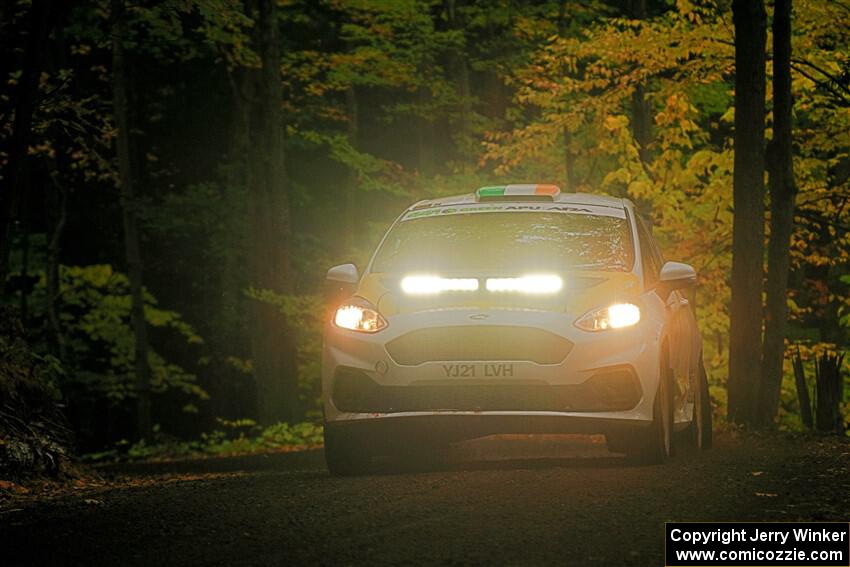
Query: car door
point(677, 320)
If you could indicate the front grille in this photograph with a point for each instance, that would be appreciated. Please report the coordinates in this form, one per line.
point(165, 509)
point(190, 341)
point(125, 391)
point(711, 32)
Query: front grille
point(611, 390)
point(490, 343)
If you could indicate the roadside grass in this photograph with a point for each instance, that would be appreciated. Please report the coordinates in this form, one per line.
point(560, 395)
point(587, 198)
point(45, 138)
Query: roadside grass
point(239, 437)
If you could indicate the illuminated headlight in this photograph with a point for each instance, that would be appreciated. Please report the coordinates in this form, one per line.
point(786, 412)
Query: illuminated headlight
point(614, 316)
point(359, 315)
point(526, 284)
point(430, 285)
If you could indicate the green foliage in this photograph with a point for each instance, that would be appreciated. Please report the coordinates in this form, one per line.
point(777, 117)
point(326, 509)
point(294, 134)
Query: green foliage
point(305, 316)
point(95, 318)
point(238, 437)
point(373, 173)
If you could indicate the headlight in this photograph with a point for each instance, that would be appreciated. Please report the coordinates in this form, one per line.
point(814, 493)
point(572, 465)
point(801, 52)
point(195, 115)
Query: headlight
point(359, 315)
point(614, 316)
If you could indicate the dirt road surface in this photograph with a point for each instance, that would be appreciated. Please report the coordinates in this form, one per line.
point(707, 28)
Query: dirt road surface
point(508, 501)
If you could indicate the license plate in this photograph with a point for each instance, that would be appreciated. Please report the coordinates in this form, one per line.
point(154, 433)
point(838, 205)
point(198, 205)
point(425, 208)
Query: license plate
point(483, 370)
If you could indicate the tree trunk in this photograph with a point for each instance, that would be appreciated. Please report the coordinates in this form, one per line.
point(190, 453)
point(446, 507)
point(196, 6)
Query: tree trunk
point(424, 132)
point(782, 194)
point(641, 108)
point(570, 177)
point(642, 118)
point(25, 104)
point(748, 203)
point(230, 335)
point(24, 279)
point(243, 83)
point(642, 123)
point(52, 268)
point(802, 390)
point(495, 94)
point(272, 344)
point(463, 136)
point(829, 393)
point(351, 182)
point(129, 206)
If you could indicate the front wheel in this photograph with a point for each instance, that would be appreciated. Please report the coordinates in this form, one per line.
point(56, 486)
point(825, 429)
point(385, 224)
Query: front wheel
point(656, 444)
point(346, 453)
point(701, 427)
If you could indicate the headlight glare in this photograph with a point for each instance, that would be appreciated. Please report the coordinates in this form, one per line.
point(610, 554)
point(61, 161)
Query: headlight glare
point(431, 285)
point(359, 316)
point(616, 316)
point(527, 284)
point(623, 315)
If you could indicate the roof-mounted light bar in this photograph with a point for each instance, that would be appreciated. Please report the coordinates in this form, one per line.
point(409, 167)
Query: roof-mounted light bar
point(524, 192)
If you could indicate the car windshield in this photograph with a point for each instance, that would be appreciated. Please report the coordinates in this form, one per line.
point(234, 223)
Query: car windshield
point(507, 242)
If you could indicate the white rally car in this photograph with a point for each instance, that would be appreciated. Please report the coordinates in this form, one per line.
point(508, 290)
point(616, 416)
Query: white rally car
point(515, 309)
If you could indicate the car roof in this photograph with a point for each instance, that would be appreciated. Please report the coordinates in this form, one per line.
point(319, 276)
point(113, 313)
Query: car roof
point(568, 198)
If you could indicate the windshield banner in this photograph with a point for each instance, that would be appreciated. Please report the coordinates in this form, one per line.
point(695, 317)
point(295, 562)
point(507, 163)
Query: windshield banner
point(465, 209)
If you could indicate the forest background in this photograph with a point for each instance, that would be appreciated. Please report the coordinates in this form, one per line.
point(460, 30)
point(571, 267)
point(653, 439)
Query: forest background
point(155, 162)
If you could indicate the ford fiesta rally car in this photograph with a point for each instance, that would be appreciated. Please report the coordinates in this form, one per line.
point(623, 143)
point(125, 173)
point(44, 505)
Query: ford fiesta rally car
point(516, 309)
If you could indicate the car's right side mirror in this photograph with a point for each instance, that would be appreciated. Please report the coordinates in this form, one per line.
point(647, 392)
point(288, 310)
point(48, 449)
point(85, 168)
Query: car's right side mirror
point(341, 282)
point(675, 275)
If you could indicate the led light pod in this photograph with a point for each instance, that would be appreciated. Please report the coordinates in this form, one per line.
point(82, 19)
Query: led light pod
point(538, 284)
point(432, 285)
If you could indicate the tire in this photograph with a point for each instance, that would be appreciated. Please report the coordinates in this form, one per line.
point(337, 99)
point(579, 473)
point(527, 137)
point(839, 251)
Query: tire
point(618, 442)
point(655, 445)
point(421, 457)
point(701, 427)
point(346, 453)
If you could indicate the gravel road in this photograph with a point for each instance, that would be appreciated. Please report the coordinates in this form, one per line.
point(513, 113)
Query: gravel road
point(516, 501)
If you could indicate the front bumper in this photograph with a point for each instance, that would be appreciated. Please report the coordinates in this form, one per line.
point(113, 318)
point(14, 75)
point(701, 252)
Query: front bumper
point(397, 431)
point(580, 382)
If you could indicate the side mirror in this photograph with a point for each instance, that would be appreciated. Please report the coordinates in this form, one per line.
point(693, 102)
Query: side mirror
point(675, 275)
point(340, 282)
point(343, 274)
